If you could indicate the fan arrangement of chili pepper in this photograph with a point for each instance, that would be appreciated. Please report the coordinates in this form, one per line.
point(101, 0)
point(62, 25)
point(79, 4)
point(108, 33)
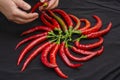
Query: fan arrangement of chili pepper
point(61, 35)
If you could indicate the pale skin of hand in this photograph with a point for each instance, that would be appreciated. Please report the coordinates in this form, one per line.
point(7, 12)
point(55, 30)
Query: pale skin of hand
point(52, 4)
point(11, 10)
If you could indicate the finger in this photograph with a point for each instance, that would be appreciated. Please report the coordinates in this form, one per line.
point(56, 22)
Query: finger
point(52, 3)
point(23, 21)
point(22, 4)
point(55, 5)
point(24, 15)
point(42, 0)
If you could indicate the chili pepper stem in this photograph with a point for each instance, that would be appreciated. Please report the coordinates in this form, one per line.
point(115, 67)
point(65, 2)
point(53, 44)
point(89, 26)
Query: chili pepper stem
point(81, 37)
point(58, 41)
point(76, 31)
point(70, 33)
point(53, 40)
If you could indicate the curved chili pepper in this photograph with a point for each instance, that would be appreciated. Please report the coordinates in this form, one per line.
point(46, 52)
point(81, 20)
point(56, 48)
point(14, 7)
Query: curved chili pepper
point(30, 38)
point(89, 54)
point(95, 28)
point(99, 33)
point(39, 4)
point(65, 59)
point(30, 46)
point(53, 21)
point(87, 24)
point(44, 55)
point(44, 20)
point(76, 20)
point(53, 53)
point(49, 21)
point(88, 46)
point(61, 22)
point(60, 73)
point(65, 16)
point(81, 51)
point(37, 28)
point(34, 54)
point(53, 60)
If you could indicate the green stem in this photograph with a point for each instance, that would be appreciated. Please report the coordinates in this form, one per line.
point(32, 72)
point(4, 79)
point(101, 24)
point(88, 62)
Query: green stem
point(76, 31)
point(81, 37)
point(53, 40)
point(70, 33)
point(58, 41)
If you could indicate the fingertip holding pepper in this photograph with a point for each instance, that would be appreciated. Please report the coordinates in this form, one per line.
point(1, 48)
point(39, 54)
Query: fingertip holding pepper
point(38, 4)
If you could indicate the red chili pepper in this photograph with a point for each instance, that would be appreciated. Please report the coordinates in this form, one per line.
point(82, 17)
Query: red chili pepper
point(36, 6)
point(53, 53)
point(46, 22)
point(65, 58)
point(49, 21)
point(34, 54)
point(61, 22)
point(89, 54)
point(89, 46)
point(30, 38)
point(60, 73)
point(30, 46)
point(87, 24)
point(81, 51)
point(99, 33)
point(37, 28)
point(65, 16)
point(94, 28)
point(45, 54)
point(76, 20)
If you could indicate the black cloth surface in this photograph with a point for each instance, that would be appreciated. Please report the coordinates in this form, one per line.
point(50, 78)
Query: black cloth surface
point(103, 67)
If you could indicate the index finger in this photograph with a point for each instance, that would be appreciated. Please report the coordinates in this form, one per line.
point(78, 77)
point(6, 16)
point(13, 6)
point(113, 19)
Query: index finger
point(25, 15)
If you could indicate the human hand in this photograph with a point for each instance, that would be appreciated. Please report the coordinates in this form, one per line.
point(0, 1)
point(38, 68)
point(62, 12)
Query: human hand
point(51, 4)
point(11, 10)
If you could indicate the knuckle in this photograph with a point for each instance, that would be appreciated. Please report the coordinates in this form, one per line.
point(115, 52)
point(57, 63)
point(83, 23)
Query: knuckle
point(12, 16)
point(13, 13)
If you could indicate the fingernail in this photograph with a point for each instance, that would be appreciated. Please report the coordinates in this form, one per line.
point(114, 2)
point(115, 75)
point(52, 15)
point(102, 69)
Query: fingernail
point(28, 7)
point(42, 0)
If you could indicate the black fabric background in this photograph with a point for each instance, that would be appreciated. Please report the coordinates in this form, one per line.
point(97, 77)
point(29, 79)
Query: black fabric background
point(104, 67)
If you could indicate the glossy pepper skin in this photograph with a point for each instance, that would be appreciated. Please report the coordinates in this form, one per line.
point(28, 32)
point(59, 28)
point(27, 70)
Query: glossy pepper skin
point(76, 20)
point(100, 33)
point(87, 24)
point(53, 54)
point(66, 17)
point(30, 46)
point(49, 21)
point(37, 28)
point(44, 55)
point(90, 45)
point(61, 22)
point(65, 58)
point(95, 28)
point(30, 38)
point(34, 54)
point(89, 54)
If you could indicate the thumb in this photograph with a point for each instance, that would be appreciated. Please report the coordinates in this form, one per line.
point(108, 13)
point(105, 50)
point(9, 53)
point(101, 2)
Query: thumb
point(22, 4)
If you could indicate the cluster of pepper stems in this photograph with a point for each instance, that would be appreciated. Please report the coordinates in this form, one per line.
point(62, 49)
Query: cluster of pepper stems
point(61, 35)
